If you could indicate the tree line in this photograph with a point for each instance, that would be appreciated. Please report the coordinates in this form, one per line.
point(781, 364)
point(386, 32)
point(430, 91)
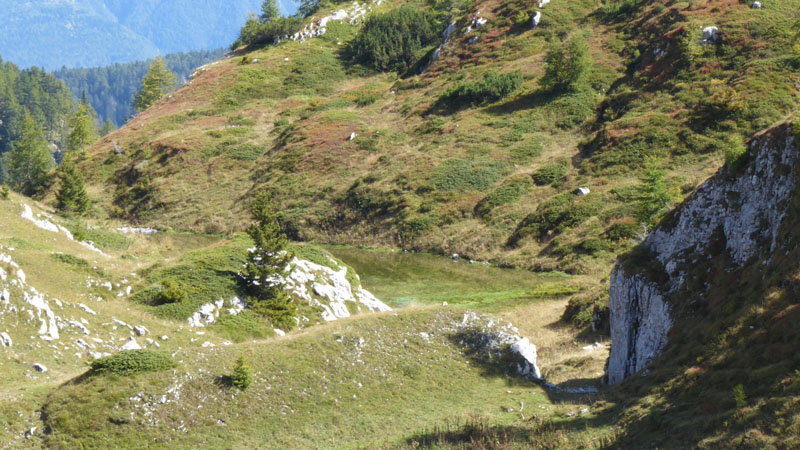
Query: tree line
point(110, 90)
point(42, 125)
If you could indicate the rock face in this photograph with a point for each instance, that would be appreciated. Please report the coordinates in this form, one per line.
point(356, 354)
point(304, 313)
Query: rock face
point(740, 211)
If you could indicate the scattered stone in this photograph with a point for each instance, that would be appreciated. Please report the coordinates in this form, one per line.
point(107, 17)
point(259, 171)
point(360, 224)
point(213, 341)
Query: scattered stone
point(131, 345)
point(543, 2)
point(40, 368)
point(140, 330)
point(280, 332)
point(536, 18)
point(583, 191)
point(117, 149)
point(352, 136)
point(455, 256)
point(756, 5)
point(710, 34)
point(5, 340)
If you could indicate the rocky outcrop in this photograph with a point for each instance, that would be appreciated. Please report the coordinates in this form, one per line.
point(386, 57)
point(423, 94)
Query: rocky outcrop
point(738, 214)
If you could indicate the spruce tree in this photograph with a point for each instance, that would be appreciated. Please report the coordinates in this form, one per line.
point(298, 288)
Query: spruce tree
point(267, 264)
point(107, 128)
point(71, 198)
point(269, 11)
point(82, 126)
point(158, 81)
point(30, 160)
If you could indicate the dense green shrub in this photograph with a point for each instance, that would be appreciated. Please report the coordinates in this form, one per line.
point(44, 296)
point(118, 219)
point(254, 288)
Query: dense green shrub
point(505, 194)
point(550, 174)
point(622, 230)
point(466, 175)
point(396, 40)
point(529, 149)
point(131, 362)
point(492, 87)
point(554, 216)
point(171, 292)
point(71, 260)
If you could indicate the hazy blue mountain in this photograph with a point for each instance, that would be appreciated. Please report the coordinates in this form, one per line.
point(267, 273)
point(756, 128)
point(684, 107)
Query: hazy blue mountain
point(91, 33)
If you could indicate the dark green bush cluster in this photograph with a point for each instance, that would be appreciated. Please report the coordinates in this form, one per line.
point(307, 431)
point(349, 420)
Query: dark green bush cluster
point(396, 40)
point(467, 175)
point(503, 195)
point(132, 362)
point(71, 260)
point(550, 174)
point(622, 230)
point(492, 87)
point(554, 216)
point(171, 292)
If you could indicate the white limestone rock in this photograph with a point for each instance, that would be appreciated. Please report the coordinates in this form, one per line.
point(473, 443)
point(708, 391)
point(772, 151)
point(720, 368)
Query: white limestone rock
point(710, 34)
point(40, 368)
point(536, 18)
point(5, 340)
point(141, 330)
point(131, 344)
point(640, 312)
point(525, 349)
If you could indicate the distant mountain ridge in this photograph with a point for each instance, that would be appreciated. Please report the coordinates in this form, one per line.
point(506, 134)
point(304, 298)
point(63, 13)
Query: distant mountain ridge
point(86, 33)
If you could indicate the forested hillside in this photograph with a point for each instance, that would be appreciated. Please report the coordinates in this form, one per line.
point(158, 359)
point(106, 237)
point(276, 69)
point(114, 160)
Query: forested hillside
point(46, 98)
point(110, 89)
point(89, 33)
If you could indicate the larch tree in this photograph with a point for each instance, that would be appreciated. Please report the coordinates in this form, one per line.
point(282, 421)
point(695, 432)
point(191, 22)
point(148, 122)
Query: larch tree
point(30, 160)
point(158, 81)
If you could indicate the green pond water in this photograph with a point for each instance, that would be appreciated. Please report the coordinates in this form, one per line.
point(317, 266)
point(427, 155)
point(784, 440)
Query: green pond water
point(402, 279)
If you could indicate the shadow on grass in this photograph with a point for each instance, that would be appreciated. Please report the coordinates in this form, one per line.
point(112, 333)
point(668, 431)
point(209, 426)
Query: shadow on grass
point(533, 432)
point(224, 381)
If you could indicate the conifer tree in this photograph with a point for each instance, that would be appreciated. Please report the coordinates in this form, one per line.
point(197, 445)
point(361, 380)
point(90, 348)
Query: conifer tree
point(567, 65)
point(30, 160)
point(158, 81)
point(82, 127)
point(72, 197)
point(267, 264)
point(269, 11)
point(242, 378)
point(107, 128)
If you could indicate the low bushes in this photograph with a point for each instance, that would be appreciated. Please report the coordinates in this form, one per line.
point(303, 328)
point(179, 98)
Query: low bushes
point(503, 195)
point(492, 87)
point(554, 216)
point(132, 362)
point(550, 174)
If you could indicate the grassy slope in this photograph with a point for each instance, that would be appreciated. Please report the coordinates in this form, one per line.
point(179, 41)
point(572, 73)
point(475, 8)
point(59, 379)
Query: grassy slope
point(368, 381)
point(305, 382)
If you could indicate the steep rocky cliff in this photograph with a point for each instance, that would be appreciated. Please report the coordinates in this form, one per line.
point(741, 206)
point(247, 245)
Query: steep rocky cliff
point(731, 221)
